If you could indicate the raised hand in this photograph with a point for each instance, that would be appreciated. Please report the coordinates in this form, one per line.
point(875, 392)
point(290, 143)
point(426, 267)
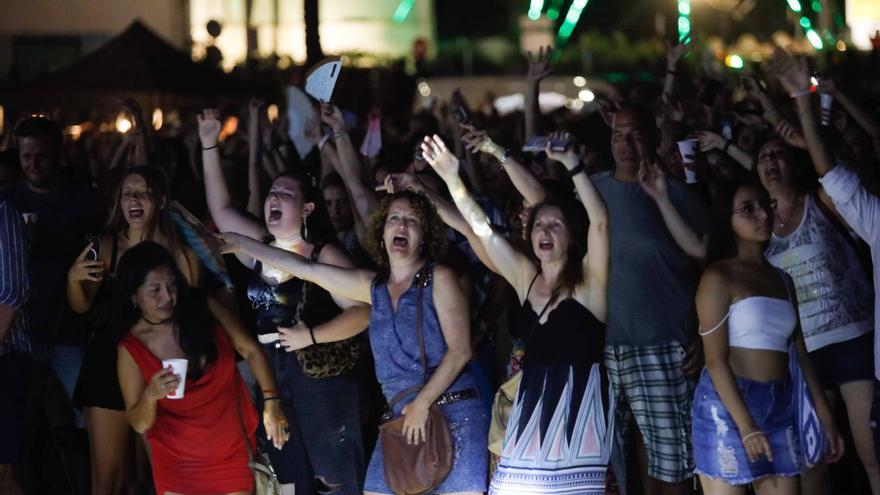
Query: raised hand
point(792, 72)
point(539, 67)
point(709, 140)
point(401, 181)
point(652, 179)
point(676, 52)
point(607, 109)
point(209, 127)
point(439, 157)
point(752, 85)
point(332, 116)
point(568, 157)
point(474, 139)
point(83, 269)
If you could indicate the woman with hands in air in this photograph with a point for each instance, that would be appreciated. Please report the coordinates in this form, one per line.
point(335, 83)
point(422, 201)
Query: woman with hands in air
point(563, 297)
point(410, 294)
point(319, 389)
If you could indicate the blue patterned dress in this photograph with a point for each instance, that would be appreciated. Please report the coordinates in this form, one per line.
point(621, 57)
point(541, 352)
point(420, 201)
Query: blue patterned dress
point(395, 342)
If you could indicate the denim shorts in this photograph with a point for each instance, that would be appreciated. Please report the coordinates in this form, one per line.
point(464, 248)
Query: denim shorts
point(718, 448)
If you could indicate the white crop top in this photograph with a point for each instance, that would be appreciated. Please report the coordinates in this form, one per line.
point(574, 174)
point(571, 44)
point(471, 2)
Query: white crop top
point(759, 322)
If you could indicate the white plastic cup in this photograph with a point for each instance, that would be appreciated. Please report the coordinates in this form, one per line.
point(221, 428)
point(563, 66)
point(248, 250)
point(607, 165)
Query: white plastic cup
point(179, 368)
point(687, 148)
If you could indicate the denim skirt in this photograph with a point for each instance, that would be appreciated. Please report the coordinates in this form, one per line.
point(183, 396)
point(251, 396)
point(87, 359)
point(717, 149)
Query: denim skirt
point(718, 449)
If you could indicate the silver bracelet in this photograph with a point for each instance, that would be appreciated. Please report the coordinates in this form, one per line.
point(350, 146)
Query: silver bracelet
point(750, 435)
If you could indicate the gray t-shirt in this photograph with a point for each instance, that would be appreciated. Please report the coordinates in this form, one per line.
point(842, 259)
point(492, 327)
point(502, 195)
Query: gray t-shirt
point(652, 282)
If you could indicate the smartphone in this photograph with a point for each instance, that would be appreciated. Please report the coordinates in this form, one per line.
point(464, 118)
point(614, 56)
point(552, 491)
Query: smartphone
point(538, 143)
point(95, 251)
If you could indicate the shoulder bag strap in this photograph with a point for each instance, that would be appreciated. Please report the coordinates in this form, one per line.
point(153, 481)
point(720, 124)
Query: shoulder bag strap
point(422, 282)
point(306, 285)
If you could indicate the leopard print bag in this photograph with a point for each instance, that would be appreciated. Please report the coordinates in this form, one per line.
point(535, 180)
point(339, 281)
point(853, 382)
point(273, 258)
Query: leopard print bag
point(331, 358)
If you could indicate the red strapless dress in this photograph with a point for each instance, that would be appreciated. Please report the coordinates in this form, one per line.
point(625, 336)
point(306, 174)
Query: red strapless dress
point(196, 442)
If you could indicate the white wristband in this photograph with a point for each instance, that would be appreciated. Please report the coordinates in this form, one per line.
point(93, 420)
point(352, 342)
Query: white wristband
point(323, 141)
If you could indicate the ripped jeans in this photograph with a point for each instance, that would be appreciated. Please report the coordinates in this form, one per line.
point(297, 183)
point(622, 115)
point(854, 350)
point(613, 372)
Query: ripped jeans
point(324, 414)
point(718, 448)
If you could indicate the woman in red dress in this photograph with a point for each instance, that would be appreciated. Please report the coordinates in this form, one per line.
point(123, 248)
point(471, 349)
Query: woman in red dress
point(198, 441)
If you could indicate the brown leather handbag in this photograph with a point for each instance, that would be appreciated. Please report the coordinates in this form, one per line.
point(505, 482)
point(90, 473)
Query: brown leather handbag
point(416, 469)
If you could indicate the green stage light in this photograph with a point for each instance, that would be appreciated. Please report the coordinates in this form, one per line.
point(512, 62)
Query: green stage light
point(795, 5)
point(571, 20)
point(814, 39)
point(684, 19)
point(403, 10)
point(554, 9)
point(535, 8)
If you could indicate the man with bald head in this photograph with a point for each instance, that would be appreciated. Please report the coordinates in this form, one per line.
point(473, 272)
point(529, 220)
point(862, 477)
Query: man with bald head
point(650, 348)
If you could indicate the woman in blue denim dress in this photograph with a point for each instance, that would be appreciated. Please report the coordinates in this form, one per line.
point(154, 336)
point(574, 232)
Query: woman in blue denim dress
point(405, 236)
point(744, 423)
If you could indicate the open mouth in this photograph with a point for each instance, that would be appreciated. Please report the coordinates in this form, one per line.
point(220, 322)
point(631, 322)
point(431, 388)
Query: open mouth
point(545, 245)
point(274, 214)
point(135, 213)
point(400, 241)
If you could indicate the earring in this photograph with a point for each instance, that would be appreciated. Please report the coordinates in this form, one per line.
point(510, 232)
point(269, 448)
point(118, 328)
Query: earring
point(305, 229)
point(382, 243)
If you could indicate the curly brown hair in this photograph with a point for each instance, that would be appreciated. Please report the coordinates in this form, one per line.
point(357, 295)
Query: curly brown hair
point(433, 238)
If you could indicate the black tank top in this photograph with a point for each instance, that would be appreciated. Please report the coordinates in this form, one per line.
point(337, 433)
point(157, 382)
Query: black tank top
point(571, 335)
point(276, 305)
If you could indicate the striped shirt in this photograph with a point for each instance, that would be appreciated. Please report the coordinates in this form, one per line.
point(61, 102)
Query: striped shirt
point(14, 281)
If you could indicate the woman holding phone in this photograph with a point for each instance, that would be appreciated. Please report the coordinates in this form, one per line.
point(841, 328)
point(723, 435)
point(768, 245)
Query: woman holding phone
point(139, 214)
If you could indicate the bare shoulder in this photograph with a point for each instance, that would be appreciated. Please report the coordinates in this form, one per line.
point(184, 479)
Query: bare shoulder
point(445, 277)
point(716, 278)
point(333, 254)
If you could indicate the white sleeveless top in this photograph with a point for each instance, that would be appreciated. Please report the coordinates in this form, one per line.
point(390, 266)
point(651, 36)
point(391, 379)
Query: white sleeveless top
point(835, 297)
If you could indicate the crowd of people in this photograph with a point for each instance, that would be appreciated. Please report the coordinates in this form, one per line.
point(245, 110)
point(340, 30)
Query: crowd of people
point(675, 294)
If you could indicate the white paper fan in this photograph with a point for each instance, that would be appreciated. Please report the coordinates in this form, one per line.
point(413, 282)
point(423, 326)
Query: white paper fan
point(321, 79)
